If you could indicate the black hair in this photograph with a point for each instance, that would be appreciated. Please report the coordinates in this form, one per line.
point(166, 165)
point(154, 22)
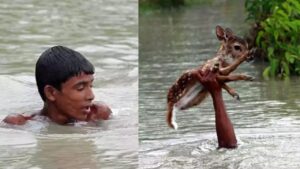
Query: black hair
point(58, 64)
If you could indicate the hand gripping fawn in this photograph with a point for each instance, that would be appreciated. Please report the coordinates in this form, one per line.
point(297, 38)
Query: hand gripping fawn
point(194, 85)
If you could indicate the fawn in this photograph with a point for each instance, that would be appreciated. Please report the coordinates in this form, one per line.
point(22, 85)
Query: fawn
point(188, 91)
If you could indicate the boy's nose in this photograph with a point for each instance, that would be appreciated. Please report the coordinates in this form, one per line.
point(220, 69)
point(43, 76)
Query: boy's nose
point(90, 95)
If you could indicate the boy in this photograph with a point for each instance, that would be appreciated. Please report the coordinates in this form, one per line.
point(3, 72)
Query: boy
point(65, 79)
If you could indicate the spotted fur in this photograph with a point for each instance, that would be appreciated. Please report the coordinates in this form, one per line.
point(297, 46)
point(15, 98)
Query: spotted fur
point(187, 91)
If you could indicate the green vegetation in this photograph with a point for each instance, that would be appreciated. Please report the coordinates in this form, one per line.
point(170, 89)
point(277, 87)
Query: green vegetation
point(278, 34)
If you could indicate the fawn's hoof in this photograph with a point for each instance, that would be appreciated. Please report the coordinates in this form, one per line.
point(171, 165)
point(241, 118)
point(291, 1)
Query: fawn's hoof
point(236, 97)
point(250, 78)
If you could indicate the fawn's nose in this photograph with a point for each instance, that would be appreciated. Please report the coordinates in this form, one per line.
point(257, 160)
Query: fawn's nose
point(251, 54)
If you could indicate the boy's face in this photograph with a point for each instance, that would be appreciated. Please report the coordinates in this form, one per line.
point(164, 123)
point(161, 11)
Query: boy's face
point(75, 97)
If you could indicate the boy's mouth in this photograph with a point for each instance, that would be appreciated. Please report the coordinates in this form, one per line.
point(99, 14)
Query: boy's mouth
point(87, 109)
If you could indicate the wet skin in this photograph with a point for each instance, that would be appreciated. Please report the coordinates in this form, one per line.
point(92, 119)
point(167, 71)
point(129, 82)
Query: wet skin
point(16, 119)
point(70, 104)
point(224, 128)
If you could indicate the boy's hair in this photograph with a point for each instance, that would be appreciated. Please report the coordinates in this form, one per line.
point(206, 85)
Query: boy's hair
point(58, 64)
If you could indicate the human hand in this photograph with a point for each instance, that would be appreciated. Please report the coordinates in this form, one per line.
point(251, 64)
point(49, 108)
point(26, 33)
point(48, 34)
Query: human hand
point(16, 119)
point(208, 79)
point(99, 111)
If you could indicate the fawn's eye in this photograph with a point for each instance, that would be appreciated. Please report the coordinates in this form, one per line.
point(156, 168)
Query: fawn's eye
point(237, 47)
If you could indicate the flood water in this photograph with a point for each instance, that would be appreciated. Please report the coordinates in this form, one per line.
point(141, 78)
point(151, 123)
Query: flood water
point(266, 121)
point(106, 32)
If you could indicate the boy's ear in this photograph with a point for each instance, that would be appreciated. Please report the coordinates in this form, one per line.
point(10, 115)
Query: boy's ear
point(50, 92)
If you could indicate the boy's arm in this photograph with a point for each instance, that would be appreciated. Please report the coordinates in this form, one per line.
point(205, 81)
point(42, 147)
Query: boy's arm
point(16, 119)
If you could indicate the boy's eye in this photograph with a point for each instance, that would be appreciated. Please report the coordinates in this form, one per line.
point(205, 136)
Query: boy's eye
point(80, 87)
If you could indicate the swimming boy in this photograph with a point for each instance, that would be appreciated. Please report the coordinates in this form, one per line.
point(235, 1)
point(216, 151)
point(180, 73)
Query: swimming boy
point(64, 79)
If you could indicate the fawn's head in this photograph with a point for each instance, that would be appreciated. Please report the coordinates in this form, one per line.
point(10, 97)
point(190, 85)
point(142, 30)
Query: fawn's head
point(232, 46)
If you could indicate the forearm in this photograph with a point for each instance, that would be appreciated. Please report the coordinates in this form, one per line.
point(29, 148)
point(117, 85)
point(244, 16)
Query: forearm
point(224, 128)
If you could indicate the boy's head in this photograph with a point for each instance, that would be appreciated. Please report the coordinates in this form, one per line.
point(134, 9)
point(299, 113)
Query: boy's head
point(58, 64)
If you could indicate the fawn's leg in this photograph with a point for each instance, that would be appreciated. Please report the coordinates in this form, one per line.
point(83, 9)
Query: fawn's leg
point(235, 77)
point(231, 91)
point(193, 93)
point(196, 100)
point(233, 66)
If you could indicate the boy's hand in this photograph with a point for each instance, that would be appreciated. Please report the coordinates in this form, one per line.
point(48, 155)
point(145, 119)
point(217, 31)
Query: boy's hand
point(16, 119)
point(99, 111)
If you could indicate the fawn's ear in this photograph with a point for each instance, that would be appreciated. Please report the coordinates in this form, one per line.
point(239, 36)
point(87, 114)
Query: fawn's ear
point(228, 33)
point(220, 33)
